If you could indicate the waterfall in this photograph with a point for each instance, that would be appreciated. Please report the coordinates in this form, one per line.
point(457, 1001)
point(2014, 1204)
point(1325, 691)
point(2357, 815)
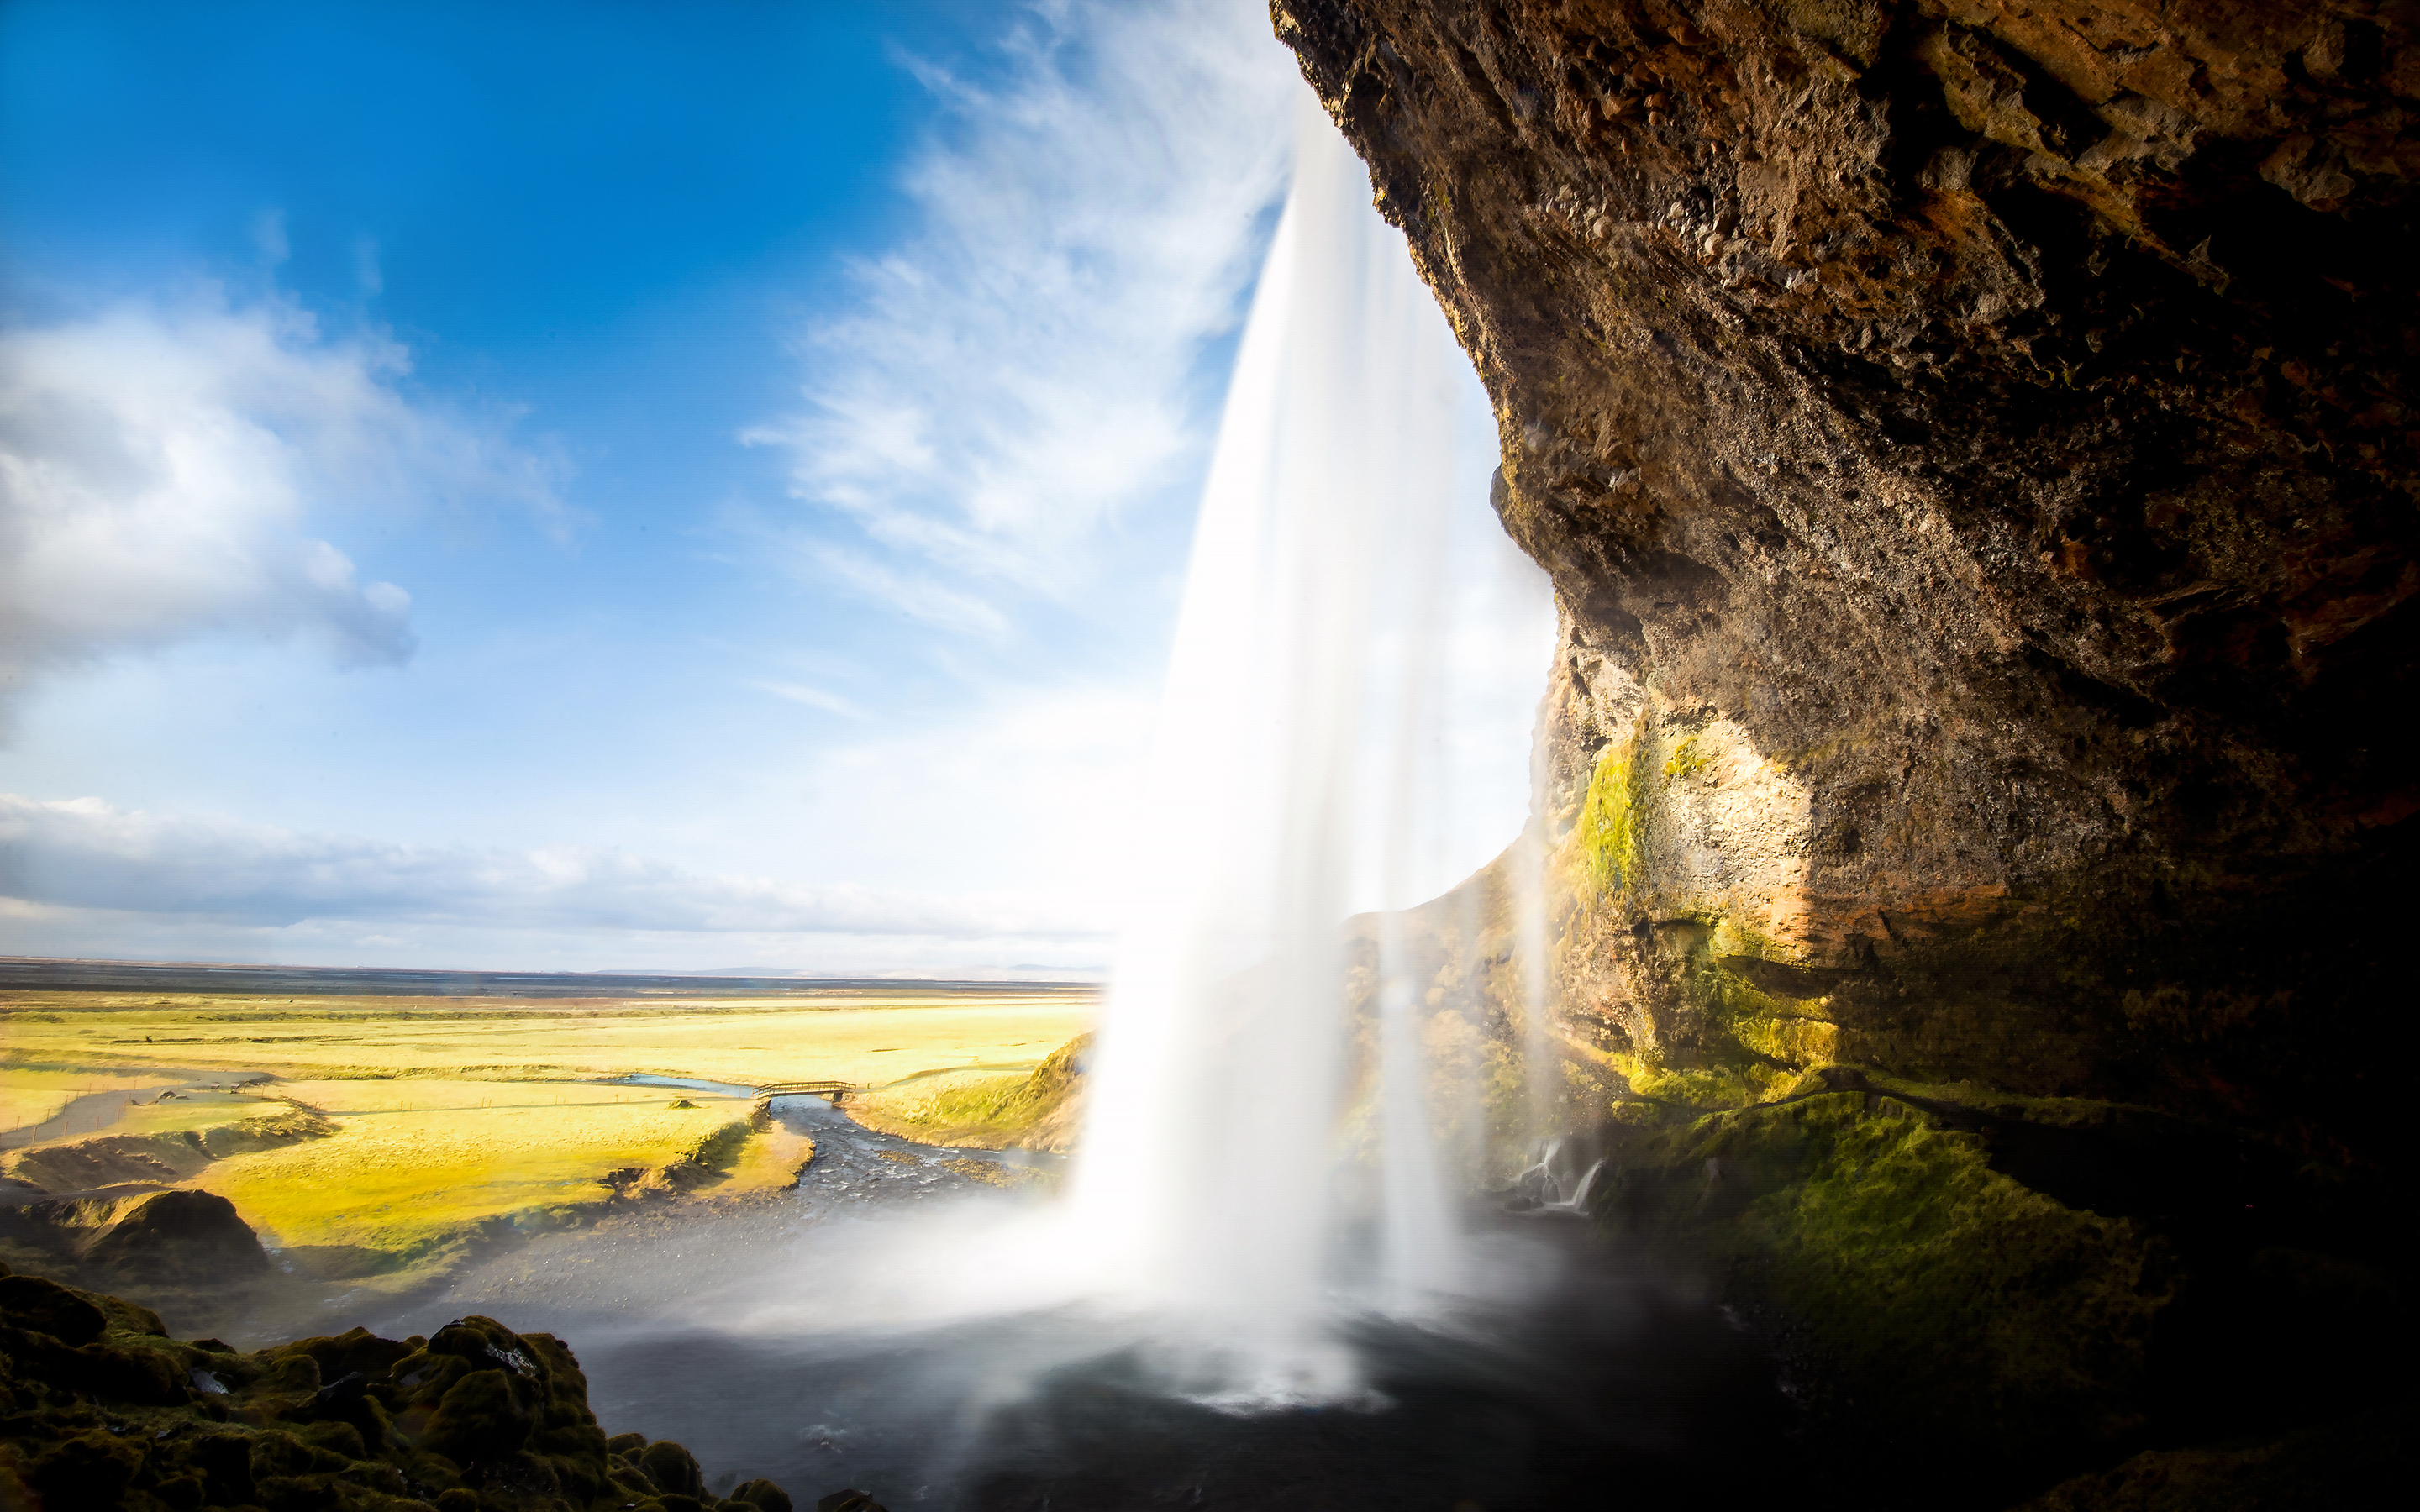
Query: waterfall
point(1532, 951)
point(1291, 783)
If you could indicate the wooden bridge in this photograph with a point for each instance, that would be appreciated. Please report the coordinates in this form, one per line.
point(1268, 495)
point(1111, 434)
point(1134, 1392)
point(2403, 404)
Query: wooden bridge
point(761, 1108)
point(806, 1090)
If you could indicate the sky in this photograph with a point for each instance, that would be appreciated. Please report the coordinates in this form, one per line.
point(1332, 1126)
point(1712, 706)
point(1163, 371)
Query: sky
point(620, 486)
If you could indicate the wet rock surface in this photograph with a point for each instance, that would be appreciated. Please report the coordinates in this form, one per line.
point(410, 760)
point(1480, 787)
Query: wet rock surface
point(1971, 444)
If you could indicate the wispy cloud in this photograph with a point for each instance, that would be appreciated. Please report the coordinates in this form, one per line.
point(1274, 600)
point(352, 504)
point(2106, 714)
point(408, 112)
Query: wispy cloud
point(86, 854)
point(814, 697)
point(367, 276)
point(918, 595)
point(268, 236)
point(1024, 367)
point(162, 467)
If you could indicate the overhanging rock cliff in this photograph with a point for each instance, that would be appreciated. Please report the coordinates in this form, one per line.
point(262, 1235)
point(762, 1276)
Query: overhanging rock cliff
point(1971, 449)
point(1970, 445)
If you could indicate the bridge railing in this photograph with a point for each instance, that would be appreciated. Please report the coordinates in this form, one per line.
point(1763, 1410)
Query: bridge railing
point(806, 1089)
point(760, 1112)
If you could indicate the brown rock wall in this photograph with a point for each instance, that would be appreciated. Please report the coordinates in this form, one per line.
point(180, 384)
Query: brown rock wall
point(1982, 430)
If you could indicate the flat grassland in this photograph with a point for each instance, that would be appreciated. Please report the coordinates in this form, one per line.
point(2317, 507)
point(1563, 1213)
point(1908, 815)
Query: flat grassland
point(415, 1163)
point(34, 1096)
point(459, 1120)
point(864, 1037)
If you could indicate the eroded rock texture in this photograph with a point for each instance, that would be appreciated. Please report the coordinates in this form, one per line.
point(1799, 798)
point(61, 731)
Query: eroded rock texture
point(1970, 441)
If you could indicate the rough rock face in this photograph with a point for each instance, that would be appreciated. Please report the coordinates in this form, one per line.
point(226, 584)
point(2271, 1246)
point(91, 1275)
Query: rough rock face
point(1970, 443)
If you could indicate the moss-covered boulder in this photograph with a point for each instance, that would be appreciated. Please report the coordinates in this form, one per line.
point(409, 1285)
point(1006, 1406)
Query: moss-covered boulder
point(101, 1409)
point(1954, 1304)
point(2012, 1290)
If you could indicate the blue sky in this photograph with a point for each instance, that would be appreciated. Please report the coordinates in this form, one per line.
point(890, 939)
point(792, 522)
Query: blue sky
point(610, 486)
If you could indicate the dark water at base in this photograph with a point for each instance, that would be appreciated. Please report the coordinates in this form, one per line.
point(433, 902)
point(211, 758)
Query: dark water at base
point(1609, 1392)
point(1597, 1389)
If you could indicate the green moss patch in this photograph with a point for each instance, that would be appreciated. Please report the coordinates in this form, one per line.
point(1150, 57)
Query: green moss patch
point(1607, 831)
point(1974, 1310)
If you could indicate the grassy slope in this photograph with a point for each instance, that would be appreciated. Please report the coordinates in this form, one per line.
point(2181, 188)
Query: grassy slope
point(1036, 1110)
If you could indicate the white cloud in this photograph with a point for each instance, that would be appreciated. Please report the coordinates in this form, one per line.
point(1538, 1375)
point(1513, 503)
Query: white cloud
point(84, 854)
point(161, 469)
point(1024, 367)
point(919, 595)
point(814, 698)
point(366, 273)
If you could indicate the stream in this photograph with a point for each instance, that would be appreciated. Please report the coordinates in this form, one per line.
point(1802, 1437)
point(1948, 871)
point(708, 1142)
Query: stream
point(92, 1113)
point(816, 1339)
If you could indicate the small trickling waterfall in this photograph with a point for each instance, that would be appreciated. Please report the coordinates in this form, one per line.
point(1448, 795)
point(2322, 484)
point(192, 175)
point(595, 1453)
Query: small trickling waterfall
point(1532, 951)
point(1290, 783)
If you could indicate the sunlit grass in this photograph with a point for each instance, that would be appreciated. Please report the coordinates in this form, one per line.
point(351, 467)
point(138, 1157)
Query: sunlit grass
point(31, 1095)
point(417, 1163)
point(463, 1121)
point(869, 1039)
point(207, 1110)
point(982, 1108)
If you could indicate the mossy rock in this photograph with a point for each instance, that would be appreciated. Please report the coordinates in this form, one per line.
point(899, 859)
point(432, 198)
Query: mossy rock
point(1976, 1316)
point(486, 1415)
point(42, 1306)
point(357, 1351)
point(763, 1495)
point(672, 1468)
point(475, 1419)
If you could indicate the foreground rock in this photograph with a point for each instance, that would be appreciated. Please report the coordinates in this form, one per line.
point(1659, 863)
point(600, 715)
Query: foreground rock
point(99, 1407)
point(1972, 446)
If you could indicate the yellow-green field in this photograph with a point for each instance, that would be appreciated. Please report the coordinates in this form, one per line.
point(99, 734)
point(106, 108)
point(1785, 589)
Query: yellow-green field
point(30, 1096)
point(416, 1163)
point(459, 1121)
point(983, 1109)
point(869, 1038)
